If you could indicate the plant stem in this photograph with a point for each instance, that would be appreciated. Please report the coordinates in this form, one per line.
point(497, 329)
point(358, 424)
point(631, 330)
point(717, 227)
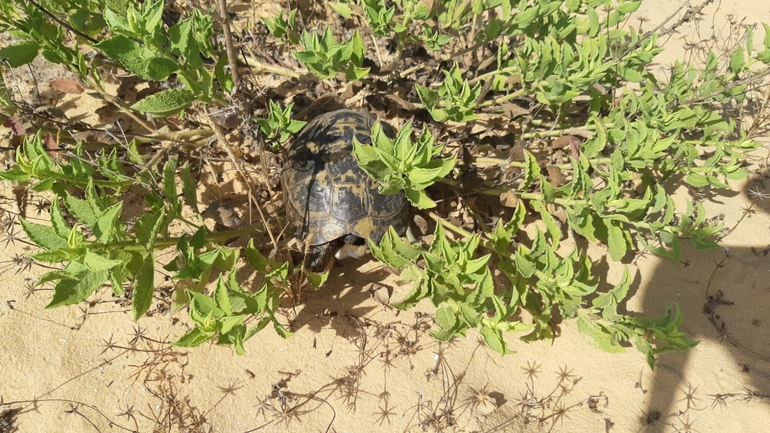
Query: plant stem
point(490, 161)
point(257, 66)
point(161, 244)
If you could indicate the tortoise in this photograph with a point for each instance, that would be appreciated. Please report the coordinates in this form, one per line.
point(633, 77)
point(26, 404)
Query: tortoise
point(332, 204)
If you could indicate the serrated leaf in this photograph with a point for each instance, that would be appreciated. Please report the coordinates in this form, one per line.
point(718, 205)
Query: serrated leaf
point(82, 210)
point(446, 318)
point(148, 226)
point(231, 323)
point(629, 7)
point(75, 291)
point(169, 186)
point(420, 178)
point(107, 222)
point(259, 261)
point(165, 103)
point(194, 338)
point(493, 337)
point(152, 12)
point(203, 309)
point(58, 223)
point(596, 334)
point(138, 58)
point(16, 175)
point(524, 265)
point(697, 180)
point(96, 262)
point(281, 330)
point(419, 199)
point(43, 236)
point(56, 256)
point(608, 302)
point(427, 96)
point(531, 170)
point(365, 154)
point(222, 298)
point(144, 286)
point(394, 251)
point(552, 227)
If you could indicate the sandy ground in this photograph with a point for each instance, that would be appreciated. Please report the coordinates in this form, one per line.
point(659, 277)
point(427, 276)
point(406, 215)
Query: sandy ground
point(355, 365)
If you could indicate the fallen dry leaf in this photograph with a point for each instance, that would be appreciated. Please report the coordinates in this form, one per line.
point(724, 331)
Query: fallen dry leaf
point(66, 85)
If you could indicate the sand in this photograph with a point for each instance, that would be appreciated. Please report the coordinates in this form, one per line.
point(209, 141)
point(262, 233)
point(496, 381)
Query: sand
point(357, 365)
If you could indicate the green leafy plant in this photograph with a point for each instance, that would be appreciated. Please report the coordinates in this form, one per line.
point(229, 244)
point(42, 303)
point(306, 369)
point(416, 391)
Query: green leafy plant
point(281, 27)
point(279, 125)
point(223, 315)
point(403, 165)
point(325, 57)
point(455, 100)
point(568, 83)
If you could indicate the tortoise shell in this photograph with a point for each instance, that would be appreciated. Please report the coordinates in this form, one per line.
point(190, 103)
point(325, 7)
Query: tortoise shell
point(329, 199)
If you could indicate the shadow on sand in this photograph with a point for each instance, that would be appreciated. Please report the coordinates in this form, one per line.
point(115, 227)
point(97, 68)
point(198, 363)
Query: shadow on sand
point(725, 298)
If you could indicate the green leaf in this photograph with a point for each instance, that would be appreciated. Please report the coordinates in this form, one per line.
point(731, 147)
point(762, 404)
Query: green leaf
point(96, 262)
point(203, 309)
point(222, 298)
point(56, 256)
point(736, 60)
point(766, 42)
point(43, 236)
point(152, 12)
point(493, 337)
point(194, 338)
point(148, 226)
point(165, 103)
point(58, 223)
point(75, 291)
point(526, 16)
point(524, 265)
point(445, 318)
point(20, 53)
point(259, 261)
point(616, 241)
point(531, 170)
point(144, 286)
point(15, 174)
point(115, 16)
point(169, 186)
point(188, 186)
point(107, 222)
point(608, 302)
point(342, 9)
point(138, 58)
point(552, 227)
point(419, 199)
point(601, 337)
point(629, 7)
point(281, 330)
point(317, 280)
point(394, 251)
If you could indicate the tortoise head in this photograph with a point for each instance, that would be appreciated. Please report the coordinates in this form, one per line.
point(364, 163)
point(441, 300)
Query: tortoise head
point(320, 258)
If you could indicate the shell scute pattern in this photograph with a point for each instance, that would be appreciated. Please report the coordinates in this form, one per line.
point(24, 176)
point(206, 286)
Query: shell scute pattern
point(327, 195)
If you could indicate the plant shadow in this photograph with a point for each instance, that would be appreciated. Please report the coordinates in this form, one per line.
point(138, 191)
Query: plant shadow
point(724, 295)
point(346, 296)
